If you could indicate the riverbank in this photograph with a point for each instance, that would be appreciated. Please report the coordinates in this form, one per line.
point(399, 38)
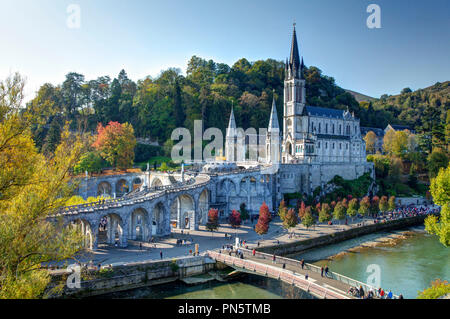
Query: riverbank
point(405, 263)
point(300, 246)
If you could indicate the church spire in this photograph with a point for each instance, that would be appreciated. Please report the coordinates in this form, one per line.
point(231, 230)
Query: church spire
point(231, 130)
point(274, 126)
point(294, 60)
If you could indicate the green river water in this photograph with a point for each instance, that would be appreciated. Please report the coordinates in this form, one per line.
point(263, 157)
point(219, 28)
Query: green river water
point(406, 268)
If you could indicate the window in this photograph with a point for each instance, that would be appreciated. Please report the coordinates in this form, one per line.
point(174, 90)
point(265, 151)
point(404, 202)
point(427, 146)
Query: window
point(340, 146)
point(326, 145)
point(318, 145)
point(326, 128)
point(333, 145)
point(320, 128)
point(340, 129)
point(332, 129)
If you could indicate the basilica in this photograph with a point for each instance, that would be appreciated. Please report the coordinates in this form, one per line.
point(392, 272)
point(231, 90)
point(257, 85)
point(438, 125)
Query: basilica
point(316, 143)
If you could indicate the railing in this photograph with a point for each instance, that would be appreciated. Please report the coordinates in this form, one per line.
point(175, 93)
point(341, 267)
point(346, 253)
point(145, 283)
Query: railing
point(280, 274)
point(296, 263)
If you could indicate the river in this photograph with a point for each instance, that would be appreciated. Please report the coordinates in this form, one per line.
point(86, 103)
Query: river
point(405, 268)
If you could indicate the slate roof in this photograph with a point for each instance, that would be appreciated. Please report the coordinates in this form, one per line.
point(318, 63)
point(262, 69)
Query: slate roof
point(324, 112)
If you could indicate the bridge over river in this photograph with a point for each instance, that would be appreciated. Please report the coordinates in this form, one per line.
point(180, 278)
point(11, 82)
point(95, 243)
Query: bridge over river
point(332, 286)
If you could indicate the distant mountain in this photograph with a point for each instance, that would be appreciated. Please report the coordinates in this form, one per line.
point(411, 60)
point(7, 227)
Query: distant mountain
point(360, 97)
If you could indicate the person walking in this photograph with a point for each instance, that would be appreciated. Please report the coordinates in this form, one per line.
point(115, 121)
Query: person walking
point(140, 246)
point(361, 292)
point(254, 252)
point(389, 296)
point(303, 263)
point(326, 271)
point(274, 259)
point(161, 254)
point(382, 294)
point(321, 271)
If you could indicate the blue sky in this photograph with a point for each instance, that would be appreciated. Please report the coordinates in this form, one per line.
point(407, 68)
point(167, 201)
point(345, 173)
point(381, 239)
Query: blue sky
point(411, 49)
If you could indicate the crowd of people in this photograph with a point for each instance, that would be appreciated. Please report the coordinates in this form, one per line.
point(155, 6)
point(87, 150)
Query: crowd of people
point(371, 293)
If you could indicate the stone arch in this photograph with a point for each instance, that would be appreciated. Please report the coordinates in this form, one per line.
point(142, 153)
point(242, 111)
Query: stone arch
point(139, 225)
point(161, 220)
point(86, 230)
point(289, 148)
point(111, 230)
point(156, 182)
point(228, 187)
point(121, 187)
point(104, 189)
point(182, 211)
point(203, 206)
point(137, 183)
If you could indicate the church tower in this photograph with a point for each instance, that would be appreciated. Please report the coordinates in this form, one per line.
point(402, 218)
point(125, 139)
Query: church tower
point(231, 139)
point(294, 103)
point(273, 137)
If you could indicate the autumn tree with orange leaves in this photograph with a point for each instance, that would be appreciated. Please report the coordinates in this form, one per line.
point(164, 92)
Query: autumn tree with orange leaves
point(116, 143)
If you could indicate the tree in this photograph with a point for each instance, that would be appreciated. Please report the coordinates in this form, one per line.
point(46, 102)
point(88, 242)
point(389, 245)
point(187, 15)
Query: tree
point(364, 206)
point(370, 140)
point(374, 205)
point(308, 219)
point(406, 90)
point(340, 211)
point(302, 210)
point(244, 212)
point(90, 162)
point(235, 219)
point(352, 209)
point(324, 215)
point(290, 220)
point(213, 220)
point(383, 204)
point(391, 203)
point(32, 187)
point(436, 160)
point(282, 210)
point(440, 190)
point(116, 143)
point(262, 226)
point(438, 288)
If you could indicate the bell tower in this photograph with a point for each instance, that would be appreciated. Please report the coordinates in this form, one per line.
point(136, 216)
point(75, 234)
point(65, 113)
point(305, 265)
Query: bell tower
point(294, 102)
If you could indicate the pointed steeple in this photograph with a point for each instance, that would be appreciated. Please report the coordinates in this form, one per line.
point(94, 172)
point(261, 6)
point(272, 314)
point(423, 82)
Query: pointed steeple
point(273, 123)
point(231, 130)
point(294, 60)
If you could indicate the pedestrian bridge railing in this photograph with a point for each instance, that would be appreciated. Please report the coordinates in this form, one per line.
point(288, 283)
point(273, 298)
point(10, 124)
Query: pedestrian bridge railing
point(285, 275)
point(296, 263)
